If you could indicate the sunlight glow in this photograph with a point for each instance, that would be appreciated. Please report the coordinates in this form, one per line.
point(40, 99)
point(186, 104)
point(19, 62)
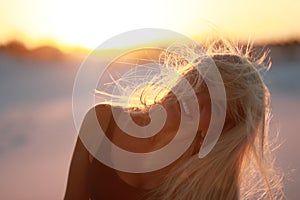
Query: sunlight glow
point(89, 23)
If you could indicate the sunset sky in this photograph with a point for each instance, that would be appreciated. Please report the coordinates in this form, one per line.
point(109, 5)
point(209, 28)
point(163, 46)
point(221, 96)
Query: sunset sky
point(88, 23)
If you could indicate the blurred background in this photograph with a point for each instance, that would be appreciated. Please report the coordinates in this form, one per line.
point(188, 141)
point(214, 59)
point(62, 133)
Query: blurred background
point(43, 42)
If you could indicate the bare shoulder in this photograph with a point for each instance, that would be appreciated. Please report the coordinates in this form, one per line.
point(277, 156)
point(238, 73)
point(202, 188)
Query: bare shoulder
point(99, 114)
point(104, 112)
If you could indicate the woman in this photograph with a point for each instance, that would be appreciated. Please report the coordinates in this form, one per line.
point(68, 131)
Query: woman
point(238, 167)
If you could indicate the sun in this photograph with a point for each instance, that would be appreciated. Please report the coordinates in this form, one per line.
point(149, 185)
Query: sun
point(88, 23)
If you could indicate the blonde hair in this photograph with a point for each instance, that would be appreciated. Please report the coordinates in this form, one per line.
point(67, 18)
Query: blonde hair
point(240, 165)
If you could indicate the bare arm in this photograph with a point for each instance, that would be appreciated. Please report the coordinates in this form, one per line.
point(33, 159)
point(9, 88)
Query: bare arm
point(77, 185)
point(78, 174)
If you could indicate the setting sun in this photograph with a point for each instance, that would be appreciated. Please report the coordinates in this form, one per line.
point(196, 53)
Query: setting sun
point(88, 23)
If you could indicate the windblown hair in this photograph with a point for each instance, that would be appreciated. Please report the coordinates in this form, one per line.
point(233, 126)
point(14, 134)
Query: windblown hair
point(240, 165)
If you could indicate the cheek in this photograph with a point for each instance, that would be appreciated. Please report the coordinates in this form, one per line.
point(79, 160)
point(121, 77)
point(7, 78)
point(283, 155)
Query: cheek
point(173, 115)
point(204, 119)
point(205, 115)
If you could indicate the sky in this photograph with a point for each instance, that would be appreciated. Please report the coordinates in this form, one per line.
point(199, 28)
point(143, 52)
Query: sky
point(88, 23)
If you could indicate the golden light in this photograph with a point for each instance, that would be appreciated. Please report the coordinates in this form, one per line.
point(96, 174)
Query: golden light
point(89, 23)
